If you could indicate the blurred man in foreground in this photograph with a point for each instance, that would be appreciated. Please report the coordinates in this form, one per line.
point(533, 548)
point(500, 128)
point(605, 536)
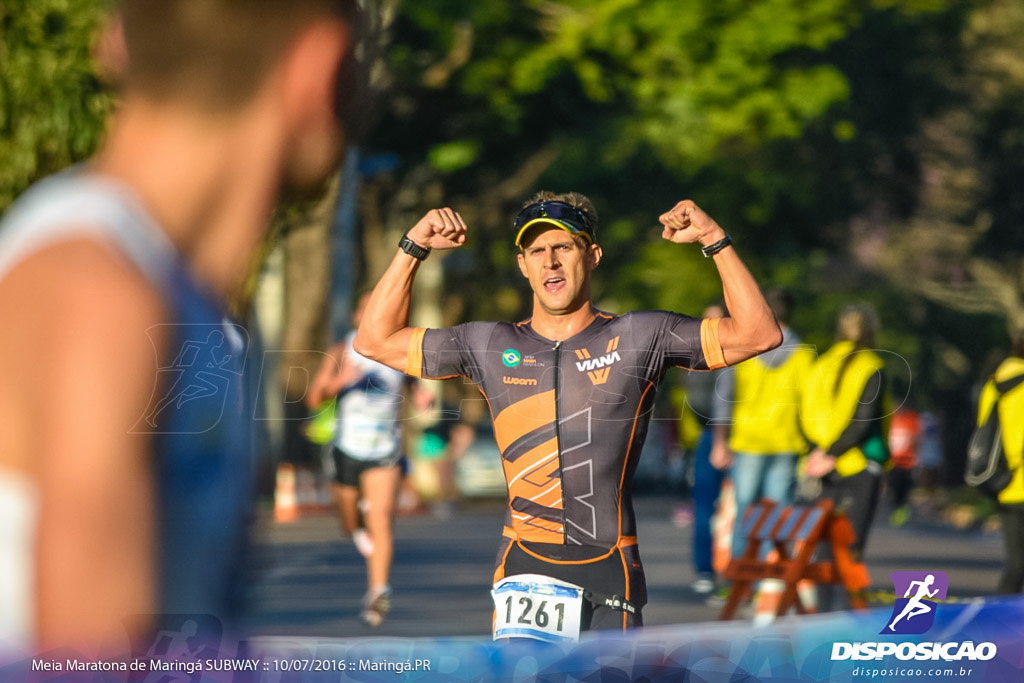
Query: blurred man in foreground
point(123, 458)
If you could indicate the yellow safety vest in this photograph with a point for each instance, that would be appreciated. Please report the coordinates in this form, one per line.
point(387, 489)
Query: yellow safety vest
point(827, 409)
point(688, 425)
point(1011, 418)
point(765, 413)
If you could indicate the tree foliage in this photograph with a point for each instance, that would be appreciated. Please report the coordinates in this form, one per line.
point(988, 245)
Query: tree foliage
point(963, 245)
point(52, 105)
point(620, 77)
point(636, 103)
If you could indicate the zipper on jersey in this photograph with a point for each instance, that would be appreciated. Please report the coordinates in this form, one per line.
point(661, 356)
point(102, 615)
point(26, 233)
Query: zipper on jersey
point(558, 433)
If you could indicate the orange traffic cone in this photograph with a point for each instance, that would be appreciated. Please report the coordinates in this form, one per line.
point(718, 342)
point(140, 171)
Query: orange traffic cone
point(808, 592)
point(286, 507)
point(769, 597)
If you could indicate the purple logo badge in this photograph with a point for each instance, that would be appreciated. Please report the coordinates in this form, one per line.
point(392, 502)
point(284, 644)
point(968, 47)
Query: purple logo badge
point(916, 596)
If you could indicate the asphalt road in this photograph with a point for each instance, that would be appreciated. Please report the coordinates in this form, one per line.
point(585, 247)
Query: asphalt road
point(307, 581)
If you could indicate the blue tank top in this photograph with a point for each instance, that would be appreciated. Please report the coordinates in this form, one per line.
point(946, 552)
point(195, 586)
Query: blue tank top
point(197, 415)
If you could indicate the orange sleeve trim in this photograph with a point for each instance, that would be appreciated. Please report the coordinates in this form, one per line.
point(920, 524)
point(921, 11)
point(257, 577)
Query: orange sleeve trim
point(710, 343)
point(414, 356)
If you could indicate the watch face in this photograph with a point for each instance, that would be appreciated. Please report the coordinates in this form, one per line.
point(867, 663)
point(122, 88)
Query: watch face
point(413, 249)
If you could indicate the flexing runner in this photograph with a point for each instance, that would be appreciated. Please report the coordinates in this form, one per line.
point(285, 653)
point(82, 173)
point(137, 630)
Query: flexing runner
point(570, 391)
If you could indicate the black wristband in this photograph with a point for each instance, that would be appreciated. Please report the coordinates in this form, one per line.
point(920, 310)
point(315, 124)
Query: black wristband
point(718, 246)
point(412, 249)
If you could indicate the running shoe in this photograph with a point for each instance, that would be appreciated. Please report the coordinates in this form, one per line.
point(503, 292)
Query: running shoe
point(376, 606)
point(364, 544)
point(704, 584)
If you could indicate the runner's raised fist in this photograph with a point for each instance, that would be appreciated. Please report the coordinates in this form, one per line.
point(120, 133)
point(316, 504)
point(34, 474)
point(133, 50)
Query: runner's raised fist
point(686, 222)
point(439, 229)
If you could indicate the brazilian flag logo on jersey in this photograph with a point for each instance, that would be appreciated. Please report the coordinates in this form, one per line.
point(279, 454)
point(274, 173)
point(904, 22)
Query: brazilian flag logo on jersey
point(511, 358)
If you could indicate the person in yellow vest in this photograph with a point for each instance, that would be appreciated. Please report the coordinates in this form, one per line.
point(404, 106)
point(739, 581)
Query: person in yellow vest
point(1011, 498)
point(842, 414)
point(764, 437)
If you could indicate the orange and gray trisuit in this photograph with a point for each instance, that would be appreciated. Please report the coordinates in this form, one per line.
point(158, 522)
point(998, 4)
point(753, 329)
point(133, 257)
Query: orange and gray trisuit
point(570, 419)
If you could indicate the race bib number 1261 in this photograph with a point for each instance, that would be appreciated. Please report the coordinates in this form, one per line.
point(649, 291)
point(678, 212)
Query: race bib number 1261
point(534, 606)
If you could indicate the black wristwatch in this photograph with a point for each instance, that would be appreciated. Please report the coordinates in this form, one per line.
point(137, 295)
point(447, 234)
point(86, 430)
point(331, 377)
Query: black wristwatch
point(718, 246)
point(412, 249)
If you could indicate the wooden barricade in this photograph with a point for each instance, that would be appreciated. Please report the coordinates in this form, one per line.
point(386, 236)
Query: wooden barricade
point(794, 532)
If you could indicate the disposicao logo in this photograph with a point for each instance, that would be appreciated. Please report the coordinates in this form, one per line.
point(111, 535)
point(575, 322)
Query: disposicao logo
point(917, 594)
point(511, 358)
point(914, 612)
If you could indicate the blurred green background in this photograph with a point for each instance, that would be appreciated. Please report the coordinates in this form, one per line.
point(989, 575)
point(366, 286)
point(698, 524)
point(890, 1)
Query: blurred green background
point(855, 149)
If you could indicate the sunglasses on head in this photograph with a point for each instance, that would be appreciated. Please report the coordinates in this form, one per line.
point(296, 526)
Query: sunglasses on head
point(571, 218)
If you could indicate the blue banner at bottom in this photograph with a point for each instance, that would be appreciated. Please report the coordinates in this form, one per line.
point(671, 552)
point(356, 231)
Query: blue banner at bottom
point(973, 642)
